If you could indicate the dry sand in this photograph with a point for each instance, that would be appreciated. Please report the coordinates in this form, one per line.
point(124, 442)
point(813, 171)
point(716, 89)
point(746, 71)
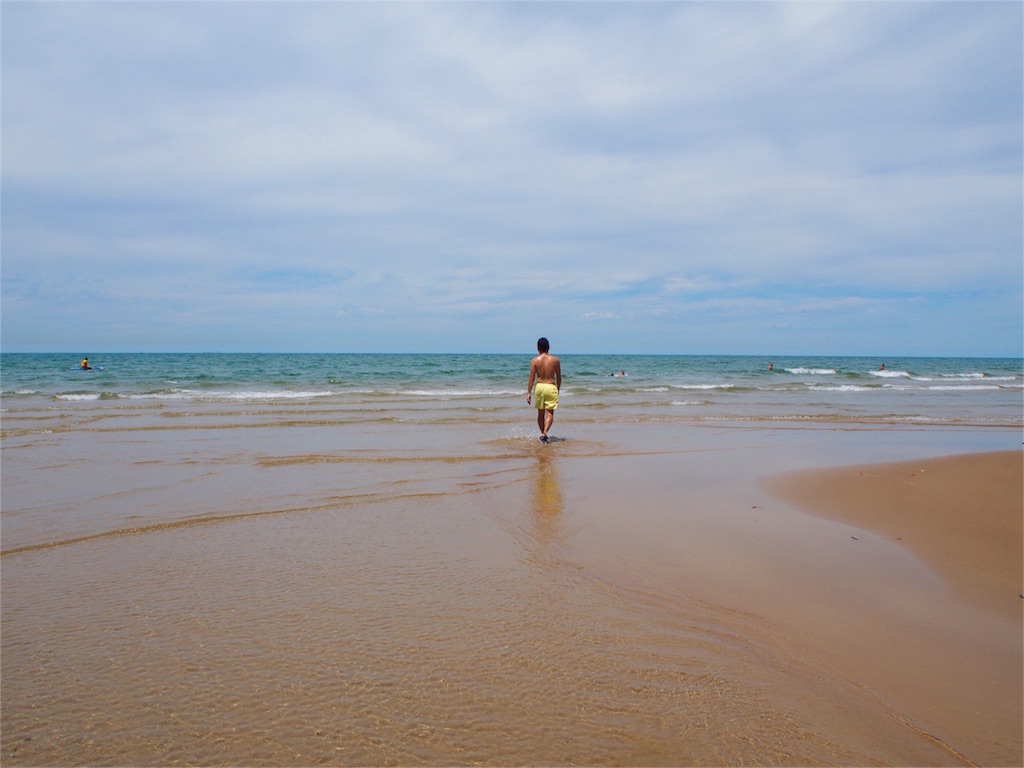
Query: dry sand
point(948, 658)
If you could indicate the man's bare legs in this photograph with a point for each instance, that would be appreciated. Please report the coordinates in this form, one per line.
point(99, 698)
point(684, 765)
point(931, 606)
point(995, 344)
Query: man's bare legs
point(545, 369)
point(545, 419)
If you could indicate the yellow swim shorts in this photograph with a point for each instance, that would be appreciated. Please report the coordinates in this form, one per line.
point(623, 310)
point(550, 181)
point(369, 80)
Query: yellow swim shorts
point(545, 396)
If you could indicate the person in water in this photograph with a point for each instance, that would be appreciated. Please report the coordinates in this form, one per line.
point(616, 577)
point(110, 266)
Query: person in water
point(544, 385)
point(85, 365)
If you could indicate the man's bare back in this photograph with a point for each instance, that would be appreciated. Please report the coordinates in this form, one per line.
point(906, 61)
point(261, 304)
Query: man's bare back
point(546, 369)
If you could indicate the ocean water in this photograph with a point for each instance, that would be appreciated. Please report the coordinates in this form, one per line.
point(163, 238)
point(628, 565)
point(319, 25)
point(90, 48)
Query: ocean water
point(955, 391)
point(218, 559)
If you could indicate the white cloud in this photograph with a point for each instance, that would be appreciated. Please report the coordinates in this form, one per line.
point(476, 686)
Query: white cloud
point(482, 162)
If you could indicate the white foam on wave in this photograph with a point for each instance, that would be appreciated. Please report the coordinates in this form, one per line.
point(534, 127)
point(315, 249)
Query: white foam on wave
point(275, 395)
point(965, 387)
point(441, 393)
point(80, 396)
point(703, 386)
point(180, 394)
point(840, 388)
point(455, 392)
point(890, 374)
point(811, 371)
point(976, 377)
point(193, 394)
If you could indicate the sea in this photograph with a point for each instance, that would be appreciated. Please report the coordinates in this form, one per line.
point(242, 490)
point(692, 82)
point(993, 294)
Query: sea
point(371, 559)
point(916, 390)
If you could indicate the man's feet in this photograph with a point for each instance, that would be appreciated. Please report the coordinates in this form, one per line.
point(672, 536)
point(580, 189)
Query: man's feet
point(543, 438)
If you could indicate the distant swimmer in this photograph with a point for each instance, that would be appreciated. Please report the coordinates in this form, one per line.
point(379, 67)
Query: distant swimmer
point(544, 385)
point(85, 364)
point(771, 366)
point(882, 367)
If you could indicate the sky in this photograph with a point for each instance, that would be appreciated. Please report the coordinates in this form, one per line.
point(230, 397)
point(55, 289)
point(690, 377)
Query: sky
point(670, 177)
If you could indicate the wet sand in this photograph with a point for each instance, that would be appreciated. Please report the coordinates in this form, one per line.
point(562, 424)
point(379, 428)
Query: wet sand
point(962, 515)
point(194, 590)
point(950, 653)
point(902, 591)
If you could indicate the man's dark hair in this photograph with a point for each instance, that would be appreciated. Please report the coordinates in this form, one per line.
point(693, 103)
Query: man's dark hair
point(542, 345)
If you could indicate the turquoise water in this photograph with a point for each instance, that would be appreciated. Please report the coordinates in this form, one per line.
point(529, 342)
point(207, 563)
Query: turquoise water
point(975, 391)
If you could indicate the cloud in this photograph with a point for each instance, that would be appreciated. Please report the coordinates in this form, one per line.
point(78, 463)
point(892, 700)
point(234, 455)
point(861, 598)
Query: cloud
point(464, 167)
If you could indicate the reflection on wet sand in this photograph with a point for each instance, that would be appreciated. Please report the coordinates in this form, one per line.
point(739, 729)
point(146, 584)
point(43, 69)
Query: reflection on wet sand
point(547, 495)
point(542, 529)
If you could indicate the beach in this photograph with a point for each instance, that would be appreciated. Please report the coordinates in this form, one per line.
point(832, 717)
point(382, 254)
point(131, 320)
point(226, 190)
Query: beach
point(961, 516)
point(319, 573)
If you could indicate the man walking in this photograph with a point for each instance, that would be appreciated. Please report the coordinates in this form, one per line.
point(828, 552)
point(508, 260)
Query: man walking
point(546, 371)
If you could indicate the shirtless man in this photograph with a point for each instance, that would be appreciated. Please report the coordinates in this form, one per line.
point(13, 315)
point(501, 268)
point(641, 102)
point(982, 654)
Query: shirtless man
point(546, 371)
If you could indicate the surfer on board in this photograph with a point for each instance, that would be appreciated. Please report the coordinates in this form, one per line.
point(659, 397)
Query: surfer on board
point(85, 364)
